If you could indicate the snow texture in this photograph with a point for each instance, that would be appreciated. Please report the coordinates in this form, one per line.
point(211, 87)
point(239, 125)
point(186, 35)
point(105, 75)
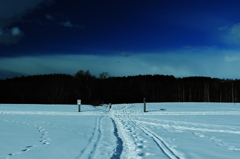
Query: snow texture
point(166, 130)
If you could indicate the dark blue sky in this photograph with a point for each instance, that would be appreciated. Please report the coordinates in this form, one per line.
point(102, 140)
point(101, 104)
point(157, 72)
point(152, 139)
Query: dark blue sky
point(122, 37)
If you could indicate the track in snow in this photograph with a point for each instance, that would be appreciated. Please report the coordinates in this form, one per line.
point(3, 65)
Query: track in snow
point(97, 143)
point(161, 144)
point(43, 140)
point(137, 133)
point(119, 147)
point(89, 150)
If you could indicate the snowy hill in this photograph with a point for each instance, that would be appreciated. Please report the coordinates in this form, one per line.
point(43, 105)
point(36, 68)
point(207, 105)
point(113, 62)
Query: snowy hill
point(167, 130)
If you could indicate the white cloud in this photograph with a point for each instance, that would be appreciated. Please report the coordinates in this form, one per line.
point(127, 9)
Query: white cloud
point(179, 64)
point(10, 36)
point(232, 34)
point(15, 31)
point(235, 32)
point(232, 58)
point(13, 11)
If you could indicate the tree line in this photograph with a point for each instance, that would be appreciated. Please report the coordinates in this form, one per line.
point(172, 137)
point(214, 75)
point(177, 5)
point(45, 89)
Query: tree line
point(66, 89)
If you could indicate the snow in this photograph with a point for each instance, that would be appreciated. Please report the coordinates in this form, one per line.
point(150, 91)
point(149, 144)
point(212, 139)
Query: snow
point(166, 130)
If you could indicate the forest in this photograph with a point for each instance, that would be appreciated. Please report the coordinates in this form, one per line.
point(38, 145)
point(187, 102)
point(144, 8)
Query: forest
point(66, 89)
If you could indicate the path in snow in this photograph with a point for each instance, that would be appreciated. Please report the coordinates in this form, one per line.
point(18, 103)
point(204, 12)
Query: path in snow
point(97, 142)
point(170, 131)
point(115, 134)
point(140, 142)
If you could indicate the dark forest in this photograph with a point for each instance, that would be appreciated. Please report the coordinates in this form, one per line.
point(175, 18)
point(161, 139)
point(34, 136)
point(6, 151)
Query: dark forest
point(66, 89)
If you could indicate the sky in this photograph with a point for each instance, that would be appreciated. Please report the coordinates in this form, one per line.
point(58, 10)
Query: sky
point(122, 37)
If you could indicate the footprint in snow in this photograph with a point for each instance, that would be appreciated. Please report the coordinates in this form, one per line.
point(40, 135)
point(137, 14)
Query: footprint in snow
point(140, 146)
point(199, 135)
point(28, 148)
point(25, 150)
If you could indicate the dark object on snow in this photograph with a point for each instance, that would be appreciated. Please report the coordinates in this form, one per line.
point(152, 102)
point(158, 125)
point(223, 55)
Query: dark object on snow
point(110, 105)
point(162, 109)
point(144, 105)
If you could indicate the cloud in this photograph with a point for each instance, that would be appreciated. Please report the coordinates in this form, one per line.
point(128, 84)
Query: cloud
point(10, 36)
point(70, 25)
point(188, 47)
point(232, 34)
point(195, 47)
point(221, 65)
point(124, 54)
point(9, 74)
point(223, 28)
point(67, 24)
point(13, 11)
point(232, 58)
point(16, 31)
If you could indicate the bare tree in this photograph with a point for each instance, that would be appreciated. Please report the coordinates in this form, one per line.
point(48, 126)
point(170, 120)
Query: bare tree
point(104, 75)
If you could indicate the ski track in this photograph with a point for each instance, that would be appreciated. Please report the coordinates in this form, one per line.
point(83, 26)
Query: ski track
point(184, 123)
point(196, 129)
point(95, 140)
point(161, 144)
point(88, 151)
point(177, 127)
point(132, 132)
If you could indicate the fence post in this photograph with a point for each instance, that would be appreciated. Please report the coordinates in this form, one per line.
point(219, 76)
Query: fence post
point(79, 105)
point(144, 101)
point(110, 105)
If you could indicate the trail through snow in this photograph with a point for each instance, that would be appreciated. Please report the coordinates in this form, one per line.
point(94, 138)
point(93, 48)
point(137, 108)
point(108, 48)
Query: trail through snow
point(167, 130)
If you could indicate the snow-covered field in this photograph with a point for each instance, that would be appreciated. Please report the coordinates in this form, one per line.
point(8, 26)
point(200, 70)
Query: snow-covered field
point(167, 130)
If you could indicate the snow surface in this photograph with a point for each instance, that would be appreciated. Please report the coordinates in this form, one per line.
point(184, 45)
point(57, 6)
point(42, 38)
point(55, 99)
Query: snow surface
point(167, 130)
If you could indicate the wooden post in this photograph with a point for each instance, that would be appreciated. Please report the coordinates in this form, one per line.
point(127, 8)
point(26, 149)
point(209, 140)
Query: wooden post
point(110, 105)
point(144, 107)
point(79, 105)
